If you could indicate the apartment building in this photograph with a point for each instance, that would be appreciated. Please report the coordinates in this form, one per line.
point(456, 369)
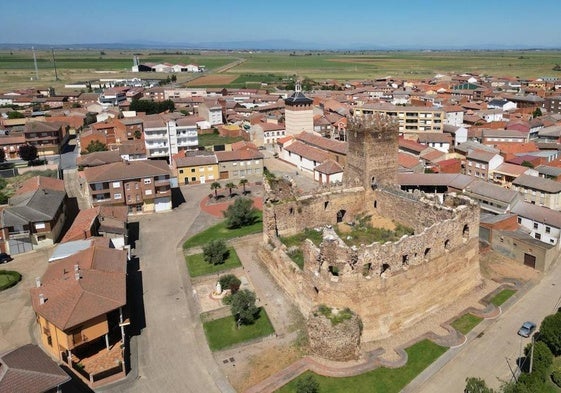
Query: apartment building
point(165, 136)
point(47, 137)
point(211, 111)
point(410, 119)
point(195, 167)
point(142, 186)
point(539, 191)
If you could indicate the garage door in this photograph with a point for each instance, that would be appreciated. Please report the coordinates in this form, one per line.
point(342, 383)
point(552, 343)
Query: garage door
point(530, 260)
point(17, 246)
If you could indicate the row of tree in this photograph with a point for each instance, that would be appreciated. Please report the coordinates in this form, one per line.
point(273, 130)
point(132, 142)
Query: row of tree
point(215, 186)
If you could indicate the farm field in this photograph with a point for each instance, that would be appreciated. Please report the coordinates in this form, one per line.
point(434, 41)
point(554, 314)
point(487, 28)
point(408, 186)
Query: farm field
point(271, 68)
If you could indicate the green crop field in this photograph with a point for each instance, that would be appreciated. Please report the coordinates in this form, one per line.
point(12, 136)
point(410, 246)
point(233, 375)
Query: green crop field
point(270, 68)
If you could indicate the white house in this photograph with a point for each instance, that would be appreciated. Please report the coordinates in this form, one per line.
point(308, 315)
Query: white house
point(543, 224)
point(458, 133)
point(328, 172)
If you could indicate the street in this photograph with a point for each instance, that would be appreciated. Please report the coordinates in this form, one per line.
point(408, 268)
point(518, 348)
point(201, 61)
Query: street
point(493, 344)
point(172, 352)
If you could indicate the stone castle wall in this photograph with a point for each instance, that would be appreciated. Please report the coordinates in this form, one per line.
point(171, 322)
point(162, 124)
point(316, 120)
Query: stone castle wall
point(392, 285)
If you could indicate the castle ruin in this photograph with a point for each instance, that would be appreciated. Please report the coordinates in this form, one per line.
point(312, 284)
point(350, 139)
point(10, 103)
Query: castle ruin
point(390, 285)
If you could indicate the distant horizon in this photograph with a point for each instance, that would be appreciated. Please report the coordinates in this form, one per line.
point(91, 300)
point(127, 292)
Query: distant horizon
point(297, 25)
point(265, 45)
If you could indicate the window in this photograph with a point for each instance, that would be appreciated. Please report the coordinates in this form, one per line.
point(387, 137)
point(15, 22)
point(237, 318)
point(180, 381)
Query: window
point(40, 225)
point(193, 179)
point(148, 192)
point(128, 186)
point(519, 220)
point(538, 236)
point(136, 186)
point(547, 229)
point(117, 196)
point(535, 225)
point(147, 181)
point(116, 184)
point(192, 170)
point(181, 171)
point(41, 238)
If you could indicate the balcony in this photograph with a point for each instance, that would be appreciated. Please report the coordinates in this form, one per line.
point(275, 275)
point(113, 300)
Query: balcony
point(100, 191)
point(18, 234)
point(161, 182)
point(96, 364)
point(158, 135)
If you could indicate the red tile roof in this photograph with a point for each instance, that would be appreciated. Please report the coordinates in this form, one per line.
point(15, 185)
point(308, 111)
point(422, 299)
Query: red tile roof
point(239, 155)
point(28, 369)
point(100, 288)
point(309, 152)
point(40, 183)
point(329, 167)
point(323, 143)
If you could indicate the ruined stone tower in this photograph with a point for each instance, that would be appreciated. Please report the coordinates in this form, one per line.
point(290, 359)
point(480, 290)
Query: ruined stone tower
point(372, 152)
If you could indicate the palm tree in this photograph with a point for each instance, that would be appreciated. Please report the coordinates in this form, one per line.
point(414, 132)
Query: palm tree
point(215, 186)
point(243, 182)
point(229, 186)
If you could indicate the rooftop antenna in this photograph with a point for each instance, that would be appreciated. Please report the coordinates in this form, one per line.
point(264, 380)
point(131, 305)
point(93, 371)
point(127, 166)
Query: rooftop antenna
point(54, 63)
point(35, 62)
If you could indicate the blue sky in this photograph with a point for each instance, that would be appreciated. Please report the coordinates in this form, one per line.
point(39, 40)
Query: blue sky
point(415, 23)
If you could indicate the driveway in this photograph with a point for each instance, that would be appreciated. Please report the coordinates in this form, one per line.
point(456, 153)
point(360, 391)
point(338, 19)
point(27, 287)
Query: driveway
point(494, 344)
point(173, 355)
point(17, 319)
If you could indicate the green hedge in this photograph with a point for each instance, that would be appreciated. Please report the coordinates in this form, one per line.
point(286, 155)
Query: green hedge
point(8, 279)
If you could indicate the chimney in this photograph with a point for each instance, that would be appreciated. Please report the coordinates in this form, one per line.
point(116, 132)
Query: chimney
point(42, 299)
point(76, 268)
point(77, 275)
point(37, 282)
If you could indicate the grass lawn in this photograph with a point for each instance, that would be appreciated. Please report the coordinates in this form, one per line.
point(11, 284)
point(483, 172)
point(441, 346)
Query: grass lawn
point(296, 241)
point(8, 279)
point(214, 139)
point(198, 267)
point(219, 231)
point(380, 380)
point(502, 296)
point(222, 333)
point(465, 323)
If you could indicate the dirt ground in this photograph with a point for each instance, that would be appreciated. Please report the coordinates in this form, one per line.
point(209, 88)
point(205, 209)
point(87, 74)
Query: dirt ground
point(261, 365)
point(212, 80)
point(497, 267)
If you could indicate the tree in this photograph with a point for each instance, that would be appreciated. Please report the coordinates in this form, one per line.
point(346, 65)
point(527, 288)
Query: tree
point(537, 112)
point(243, 183)
point(230, 186)
point(174, 78)
point(307, 384)
point(215, 252)
point(96, 146)
point(28, 152)
point(240, 214)
point(542, 359)
point(90, 118)
point(2, 155)
point(215, 186)
point(243, 307)
point(550, 333)
point(527, 164)
point(477, 385)
point(15, 115)
point(231, 282)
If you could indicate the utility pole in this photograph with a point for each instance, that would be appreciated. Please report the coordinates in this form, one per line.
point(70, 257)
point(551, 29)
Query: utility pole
point(532, 355)
point(54, 63)
point(35, 63)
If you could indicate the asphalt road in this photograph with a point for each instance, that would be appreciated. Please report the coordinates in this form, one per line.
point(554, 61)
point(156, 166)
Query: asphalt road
point(171, 352)
point(493, 342)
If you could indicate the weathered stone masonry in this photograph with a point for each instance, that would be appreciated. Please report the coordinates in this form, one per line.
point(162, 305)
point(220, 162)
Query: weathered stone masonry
point(392, 285)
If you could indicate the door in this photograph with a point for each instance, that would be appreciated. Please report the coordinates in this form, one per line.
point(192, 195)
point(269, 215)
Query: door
point(18, 246)
point(530, 260)
point(202, 178)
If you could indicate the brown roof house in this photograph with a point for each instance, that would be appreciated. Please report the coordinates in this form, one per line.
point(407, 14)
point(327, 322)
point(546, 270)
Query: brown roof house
point(79, 305)
point(142, 186)
point(28, 369)
point(35, 215)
